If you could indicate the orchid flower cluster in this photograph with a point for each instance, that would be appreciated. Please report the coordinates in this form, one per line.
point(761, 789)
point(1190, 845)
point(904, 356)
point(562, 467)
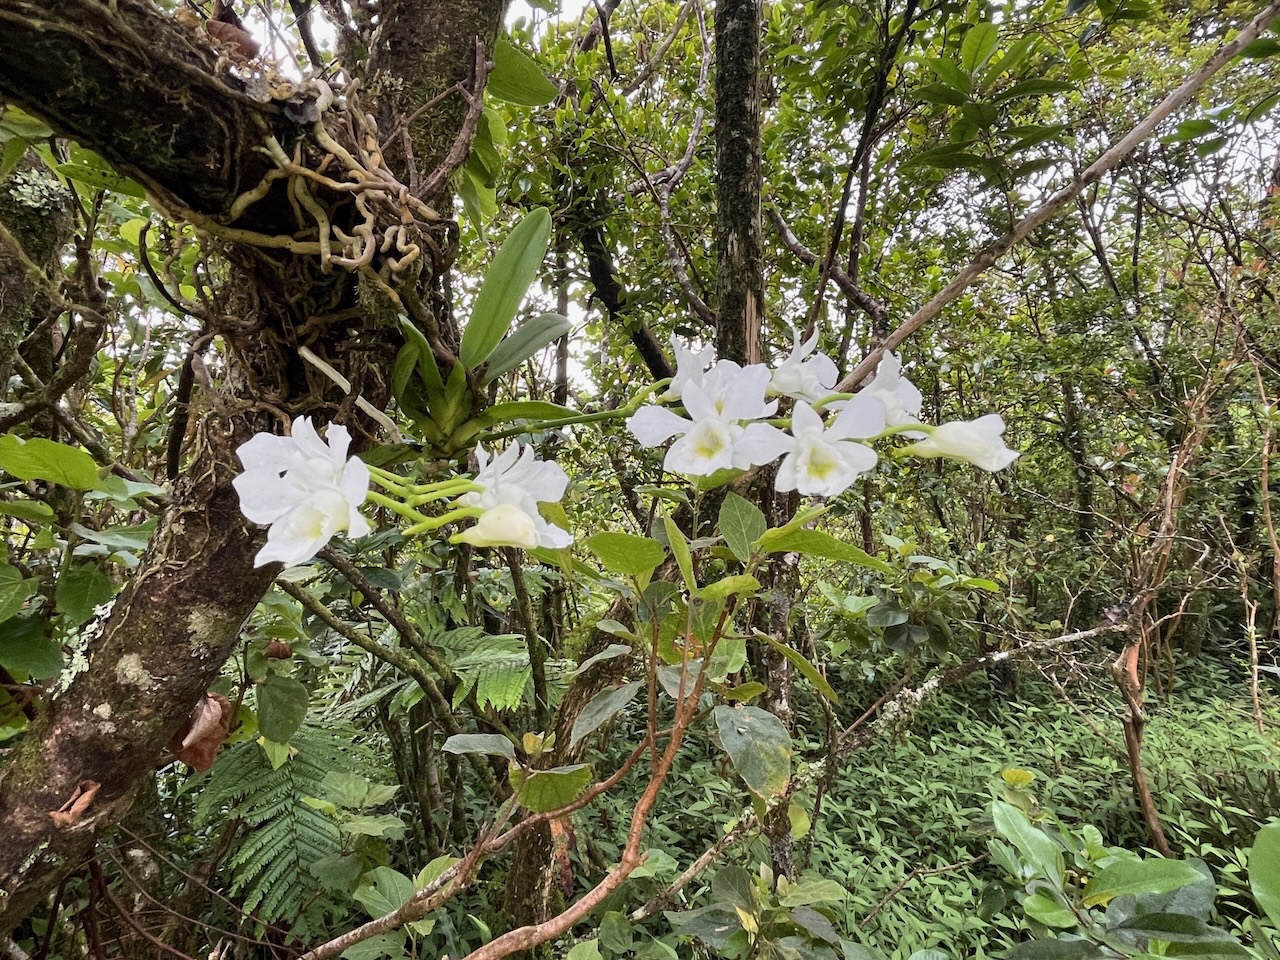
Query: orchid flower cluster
point(728, 409)
point(306, 489)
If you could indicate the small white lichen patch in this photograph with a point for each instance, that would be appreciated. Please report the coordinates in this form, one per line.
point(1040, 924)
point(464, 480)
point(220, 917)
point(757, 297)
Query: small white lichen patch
point(103, 711)
point(131, 671)
point(206, 626)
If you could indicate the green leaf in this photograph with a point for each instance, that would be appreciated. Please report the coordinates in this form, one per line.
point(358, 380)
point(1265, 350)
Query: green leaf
point(886, 614)
point(41, 459)
point(1172, 928)
point(1044, 909)
point(515, 78)
point(282, 706)
point(382, 825)
point(1037, 847)
point(531, 336)
point(627, 554)
point(15, 590)
point(1264, 871)
point(610, 652)
point(82, 588)
point(680, 550)
point(602, 708)
point(815, 543)
point(28, 511)
point(493, 744)
point(615, 932)
point(978, 46)
point(26, 649)
point(807, 669)
point(337, 871)
point(101, 178)
point(1054, 950)
point(586, 950)
point(728, 586)
point(759, 747)
point(525, 410)
point(544, 790)
point(808, 892)
point(382, 890)
point(505, 284)
point(1138, 877)
point(390, 945)
point(741, 525)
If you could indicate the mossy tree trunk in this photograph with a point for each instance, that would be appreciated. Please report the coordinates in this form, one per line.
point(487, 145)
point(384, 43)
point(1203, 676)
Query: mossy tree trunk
point(153, 98)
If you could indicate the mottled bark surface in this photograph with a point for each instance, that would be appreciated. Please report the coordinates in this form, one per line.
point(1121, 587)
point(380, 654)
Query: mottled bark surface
point(739, 243)
point(160, 103)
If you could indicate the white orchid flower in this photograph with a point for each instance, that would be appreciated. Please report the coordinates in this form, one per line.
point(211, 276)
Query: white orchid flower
point(304, 488)
point(691, 366)
point(825, 461)
point(805, 375)
point(513, 484)
point(714, 437)
point(901, 399)
point(978, 442)
point(505, 525)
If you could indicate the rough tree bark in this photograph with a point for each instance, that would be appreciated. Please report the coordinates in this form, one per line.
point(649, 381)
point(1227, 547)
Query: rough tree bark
point(739, 235)
point(158, 102)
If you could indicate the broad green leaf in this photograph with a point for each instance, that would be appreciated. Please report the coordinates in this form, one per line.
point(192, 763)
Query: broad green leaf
point(1037, 847)
point(15, 590)
point(389, 945)
point(759, 747)
point(1138, 877)
point(586, 950)
point(26, 649)
point(282, 706)
point(345, 789)
point(338, 871)
point(603, 707)
point(82, 588)
point(29, 511)
point(808, 892)
point(433, 870)
point(1172, 928)
point(1044, 909)
point(815, 543)
point(886, 614)
point(729, 586)
point(382, 890)
point(505, 284)
point(41, 459)
point(741, 525)
point(493, 744)
point(1264, 871)
point(978, 45)
point(615, 932)
point(733, 885)
point(382, 825)
point(807, 669)
point(531, 336)
point(515, 78)
point(544, 790)
point(627, 554)
point(1054, 950)
point(101, 178)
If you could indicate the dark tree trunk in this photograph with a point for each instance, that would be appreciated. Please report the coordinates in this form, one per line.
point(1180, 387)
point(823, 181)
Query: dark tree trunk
point(739, 243)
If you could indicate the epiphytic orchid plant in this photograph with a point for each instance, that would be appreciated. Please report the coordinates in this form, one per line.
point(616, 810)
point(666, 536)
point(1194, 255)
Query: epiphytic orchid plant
point(308, 490)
